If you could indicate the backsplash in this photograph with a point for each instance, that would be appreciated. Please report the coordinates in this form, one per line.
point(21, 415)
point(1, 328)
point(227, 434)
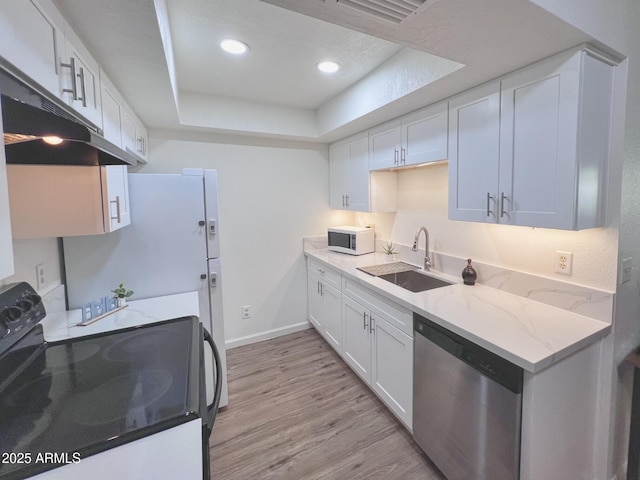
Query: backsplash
point(587, 301)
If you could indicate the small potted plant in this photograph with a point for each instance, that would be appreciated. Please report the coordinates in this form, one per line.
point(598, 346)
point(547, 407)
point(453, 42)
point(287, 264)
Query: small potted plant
point(121, 293)
point(390, 250)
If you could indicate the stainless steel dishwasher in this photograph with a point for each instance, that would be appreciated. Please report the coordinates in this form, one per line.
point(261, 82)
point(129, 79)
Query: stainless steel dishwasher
point(467, 405)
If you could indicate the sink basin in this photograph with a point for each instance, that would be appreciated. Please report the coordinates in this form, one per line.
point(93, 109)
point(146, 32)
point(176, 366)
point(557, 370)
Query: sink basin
point(414, 281)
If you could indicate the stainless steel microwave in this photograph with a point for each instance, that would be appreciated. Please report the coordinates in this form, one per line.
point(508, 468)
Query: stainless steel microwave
point(351, 240)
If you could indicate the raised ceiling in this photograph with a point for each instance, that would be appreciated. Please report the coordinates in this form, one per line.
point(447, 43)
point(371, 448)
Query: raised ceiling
point(388, 67)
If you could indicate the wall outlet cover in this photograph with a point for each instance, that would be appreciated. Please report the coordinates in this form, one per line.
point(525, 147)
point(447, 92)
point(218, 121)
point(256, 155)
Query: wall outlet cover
point(564, 262)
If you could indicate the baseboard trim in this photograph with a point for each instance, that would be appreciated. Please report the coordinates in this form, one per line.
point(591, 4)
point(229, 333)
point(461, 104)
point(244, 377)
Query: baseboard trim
point(259, 337)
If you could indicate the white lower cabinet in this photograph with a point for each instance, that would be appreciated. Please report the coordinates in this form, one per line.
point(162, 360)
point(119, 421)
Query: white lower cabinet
point(324, 300)
point(381, 355)
point(370, 333)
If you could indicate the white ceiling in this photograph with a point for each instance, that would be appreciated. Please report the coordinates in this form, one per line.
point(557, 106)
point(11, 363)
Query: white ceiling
point(280, 67)
point(277, 83)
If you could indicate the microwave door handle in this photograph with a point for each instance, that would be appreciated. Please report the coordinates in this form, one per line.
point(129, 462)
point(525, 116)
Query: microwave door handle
point(212, 409)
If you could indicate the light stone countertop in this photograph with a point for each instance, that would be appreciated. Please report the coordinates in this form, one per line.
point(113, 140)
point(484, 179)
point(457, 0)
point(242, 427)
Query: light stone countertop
point(63, 325)
point(530, 334)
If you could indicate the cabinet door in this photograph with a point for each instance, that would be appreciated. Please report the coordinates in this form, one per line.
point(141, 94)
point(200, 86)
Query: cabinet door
point(134, 135)
point(111, 111)
point(31, 38)
point(424, 135)
point(539, 124)
point(117, 202)
point(6, 243)
point(316, 305)
point(85, 98)
point(358, 177)
point(332, 299)
point(474, 144)
point(384, 145)
point(338, 172)
point(392, 368)
point(357, 345)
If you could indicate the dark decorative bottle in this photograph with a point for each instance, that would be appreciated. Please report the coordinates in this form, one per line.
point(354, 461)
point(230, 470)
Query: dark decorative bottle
point(469, 274)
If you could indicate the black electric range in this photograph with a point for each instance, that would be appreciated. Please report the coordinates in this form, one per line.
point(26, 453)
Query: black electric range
point(62, 402)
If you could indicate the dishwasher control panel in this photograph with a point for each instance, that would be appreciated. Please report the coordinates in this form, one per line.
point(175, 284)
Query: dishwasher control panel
point(488, 363)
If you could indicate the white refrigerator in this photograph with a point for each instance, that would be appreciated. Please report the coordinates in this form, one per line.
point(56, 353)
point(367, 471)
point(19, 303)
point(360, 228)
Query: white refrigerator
point(172, 246)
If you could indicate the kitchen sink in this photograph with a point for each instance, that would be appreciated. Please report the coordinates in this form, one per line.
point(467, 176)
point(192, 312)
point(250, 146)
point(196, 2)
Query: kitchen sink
point(414, 281)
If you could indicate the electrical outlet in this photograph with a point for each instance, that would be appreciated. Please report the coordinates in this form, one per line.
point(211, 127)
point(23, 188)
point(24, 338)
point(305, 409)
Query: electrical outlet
point(626, 267)
point(246, 311)
point(564, 262)
point(41, 279)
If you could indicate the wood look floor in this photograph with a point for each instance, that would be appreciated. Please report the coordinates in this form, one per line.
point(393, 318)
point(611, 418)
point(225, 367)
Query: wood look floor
point(297, 411)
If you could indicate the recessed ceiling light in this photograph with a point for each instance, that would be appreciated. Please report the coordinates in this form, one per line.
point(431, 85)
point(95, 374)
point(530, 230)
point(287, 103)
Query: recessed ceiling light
point(328, 67)
point(234, 46)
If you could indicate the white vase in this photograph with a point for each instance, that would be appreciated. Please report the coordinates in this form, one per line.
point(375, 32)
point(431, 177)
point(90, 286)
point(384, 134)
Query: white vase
point(122, 301)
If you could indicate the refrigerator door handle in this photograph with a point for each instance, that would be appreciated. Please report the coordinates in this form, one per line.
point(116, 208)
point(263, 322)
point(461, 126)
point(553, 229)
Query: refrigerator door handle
point(213, 279)
point(212, 226)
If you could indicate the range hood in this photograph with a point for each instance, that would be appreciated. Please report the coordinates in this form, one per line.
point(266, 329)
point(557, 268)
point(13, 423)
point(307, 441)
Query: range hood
point(42, 130)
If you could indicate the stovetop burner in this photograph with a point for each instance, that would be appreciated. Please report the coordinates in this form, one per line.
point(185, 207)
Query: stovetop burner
point(139, 345)
point(122, 398)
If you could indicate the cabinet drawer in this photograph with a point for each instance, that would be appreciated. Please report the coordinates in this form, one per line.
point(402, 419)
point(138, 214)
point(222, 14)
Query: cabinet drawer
point(398, 316)
point(326, 274)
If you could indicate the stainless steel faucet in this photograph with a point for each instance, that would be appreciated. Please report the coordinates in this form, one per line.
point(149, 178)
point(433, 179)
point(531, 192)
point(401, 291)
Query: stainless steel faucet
point(427, 260)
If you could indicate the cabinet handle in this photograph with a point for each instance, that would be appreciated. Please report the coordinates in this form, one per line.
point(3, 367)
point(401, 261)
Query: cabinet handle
point(395, 156)
point(117, 202)
point(489, 198)
point(403, 155)
point(318, 289)
point(83, 89)
point(371, 324)
point(74, 88)
point(347, 201)
point(364, 321)
point(320, 271)
point(502, 198)
point(343, 200)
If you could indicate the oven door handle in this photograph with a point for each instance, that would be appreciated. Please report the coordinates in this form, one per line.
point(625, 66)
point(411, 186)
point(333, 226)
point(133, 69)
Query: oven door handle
point(213, 408)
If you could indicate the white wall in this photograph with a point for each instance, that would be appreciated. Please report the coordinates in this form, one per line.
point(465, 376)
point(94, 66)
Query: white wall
point(271, 196)
point(422, 200)
point(29, 253)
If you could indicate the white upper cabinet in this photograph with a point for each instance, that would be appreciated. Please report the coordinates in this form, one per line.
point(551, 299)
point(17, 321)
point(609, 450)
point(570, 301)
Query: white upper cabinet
point(554, 143)
point(31, 37)
point(352, 186)
point(419, 137)
point(384, 145)
point(134, 135)
point(474, 149)
point(115, 186)
point(112, 111)
point(534, 150)
point(67, 200)
point(37, 40)
point(80, 79)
